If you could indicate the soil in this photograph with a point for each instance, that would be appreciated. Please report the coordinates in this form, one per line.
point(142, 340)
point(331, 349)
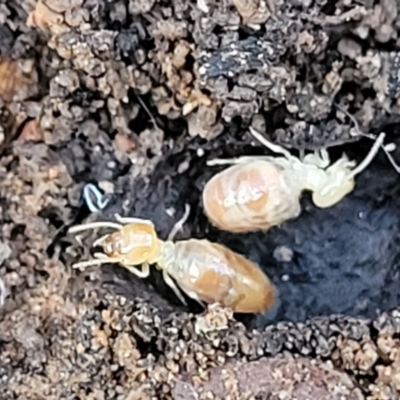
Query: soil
point(134, 96)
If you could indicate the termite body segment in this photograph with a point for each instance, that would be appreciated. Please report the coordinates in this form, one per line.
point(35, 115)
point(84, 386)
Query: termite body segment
point(259, 192)
point(251, 196)
point(213, 273)
point(207, 272)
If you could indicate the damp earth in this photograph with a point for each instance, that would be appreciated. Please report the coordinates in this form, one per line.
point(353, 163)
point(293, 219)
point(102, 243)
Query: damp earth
point(134, 97)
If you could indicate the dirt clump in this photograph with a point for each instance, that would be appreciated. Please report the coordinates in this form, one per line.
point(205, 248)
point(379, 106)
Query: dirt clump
point(134, 97)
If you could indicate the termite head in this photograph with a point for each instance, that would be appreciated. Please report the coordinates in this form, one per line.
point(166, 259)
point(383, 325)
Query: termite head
point(339, 179)
point(113, 245)
point(136, 242)
point(329, 184)
point(338, 184)
point(133, 242)
point(329, 196)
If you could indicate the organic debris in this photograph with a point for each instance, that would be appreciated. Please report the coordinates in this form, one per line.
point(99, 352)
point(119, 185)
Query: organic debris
point(134, 97)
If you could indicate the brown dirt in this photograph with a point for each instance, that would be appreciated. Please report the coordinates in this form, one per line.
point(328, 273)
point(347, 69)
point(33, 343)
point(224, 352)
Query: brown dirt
point(135, 96)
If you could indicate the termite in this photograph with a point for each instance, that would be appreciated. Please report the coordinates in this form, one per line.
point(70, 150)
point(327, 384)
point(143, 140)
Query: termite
point(207, 272)
point(259, 192)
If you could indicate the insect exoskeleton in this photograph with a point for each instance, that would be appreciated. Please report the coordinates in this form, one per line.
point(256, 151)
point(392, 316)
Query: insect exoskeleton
point(207, 272)
point(251, 196)
point(259, 192)
point(213, 273)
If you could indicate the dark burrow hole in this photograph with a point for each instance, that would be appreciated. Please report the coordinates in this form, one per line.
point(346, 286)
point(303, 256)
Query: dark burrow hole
point(342, 260)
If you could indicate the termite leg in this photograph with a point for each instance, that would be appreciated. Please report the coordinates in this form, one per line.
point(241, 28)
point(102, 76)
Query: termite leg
point(273, 147)
point(95, 262)
point(323, 153)
point(178, 225)
point(100, 240)
point(102, 256)
point(173, 286)
point(194, 296)
point(144, 273)
point(319, 158)
point(234, 160)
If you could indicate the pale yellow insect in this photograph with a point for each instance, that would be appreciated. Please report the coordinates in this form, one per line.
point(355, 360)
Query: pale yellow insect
point(259, 192)
point(205, 271)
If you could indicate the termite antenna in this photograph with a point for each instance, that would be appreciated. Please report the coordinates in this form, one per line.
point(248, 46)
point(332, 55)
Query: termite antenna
point(370, 156)
point(178, 225)
point(386, 148)
point(355, 122)
point(132, 220)
point(94, 225)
